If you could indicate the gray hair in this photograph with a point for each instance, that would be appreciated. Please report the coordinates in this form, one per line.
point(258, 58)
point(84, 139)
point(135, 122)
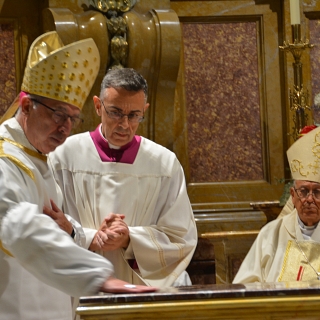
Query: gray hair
point(125, 78)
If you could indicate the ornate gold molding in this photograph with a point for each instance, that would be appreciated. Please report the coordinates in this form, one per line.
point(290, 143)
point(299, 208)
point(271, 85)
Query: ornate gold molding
point(299, 97)
point(154, 40)
point(117, 27)
point(119, 6)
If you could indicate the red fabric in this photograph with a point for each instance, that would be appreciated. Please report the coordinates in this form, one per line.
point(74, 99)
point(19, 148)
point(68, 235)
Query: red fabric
point(306, 129)
point(21, 95)
point(133, 264)
point(300, 273)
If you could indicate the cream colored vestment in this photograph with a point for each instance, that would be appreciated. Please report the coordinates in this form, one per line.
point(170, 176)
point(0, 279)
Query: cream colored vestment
point(152, 195)
point(275, 256)
point(40, 265)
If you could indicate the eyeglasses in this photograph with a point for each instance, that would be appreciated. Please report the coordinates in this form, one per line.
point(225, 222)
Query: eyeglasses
point(132, 117)
point(60, 117)
point(303, 193)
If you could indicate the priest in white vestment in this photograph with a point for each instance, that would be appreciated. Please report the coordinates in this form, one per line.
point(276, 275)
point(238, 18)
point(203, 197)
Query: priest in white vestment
point(288, 249)
point(41, 266)
point(133, 182)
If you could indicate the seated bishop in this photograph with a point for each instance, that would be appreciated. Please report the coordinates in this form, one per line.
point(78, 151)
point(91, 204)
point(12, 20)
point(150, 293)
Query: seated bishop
point(288, 249)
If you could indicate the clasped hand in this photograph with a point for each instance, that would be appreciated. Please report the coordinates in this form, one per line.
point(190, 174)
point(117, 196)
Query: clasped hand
point(112, 234)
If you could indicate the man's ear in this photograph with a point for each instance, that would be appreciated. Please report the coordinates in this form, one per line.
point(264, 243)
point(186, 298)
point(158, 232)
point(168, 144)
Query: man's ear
point(26, 104)
point(97, 105)
point(293, 196)
point(292, 192)
point(146, 107)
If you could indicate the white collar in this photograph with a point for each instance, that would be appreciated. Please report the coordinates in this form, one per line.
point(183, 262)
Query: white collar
point(111, 146)
point(306, 230)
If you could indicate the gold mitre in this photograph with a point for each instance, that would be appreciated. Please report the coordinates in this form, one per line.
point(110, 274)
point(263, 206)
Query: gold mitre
point(63, 73)
point(304, 157)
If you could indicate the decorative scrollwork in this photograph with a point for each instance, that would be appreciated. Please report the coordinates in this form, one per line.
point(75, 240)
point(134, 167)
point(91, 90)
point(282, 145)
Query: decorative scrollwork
point(313, 163)
point(314, 166)
point(296, 48)
point(297, 165)
point(113, 5)
point(299, 104)
point(119, 51)
point(299, 97)
point(117, 27)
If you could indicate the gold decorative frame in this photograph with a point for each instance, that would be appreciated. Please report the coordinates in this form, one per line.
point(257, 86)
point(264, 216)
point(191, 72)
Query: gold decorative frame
point(117, 27)
point(299, 97)
point(239, 194)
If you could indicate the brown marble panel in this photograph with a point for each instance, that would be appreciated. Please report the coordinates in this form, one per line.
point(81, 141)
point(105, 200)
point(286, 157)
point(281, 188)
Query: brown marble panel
point(7, 66)
point(222, 101)
point(315, 57)
point(202, 266)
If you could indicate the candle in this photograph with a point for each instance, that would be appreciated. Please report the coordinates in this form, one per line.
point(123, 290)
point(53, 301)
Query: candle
point(295, 11)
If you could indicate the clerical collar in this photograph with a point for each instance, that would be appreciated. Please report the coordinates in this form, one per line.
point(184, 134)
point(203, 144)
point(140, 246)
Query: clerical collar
point(306, 230)
point(103, 138)
point(110, 153)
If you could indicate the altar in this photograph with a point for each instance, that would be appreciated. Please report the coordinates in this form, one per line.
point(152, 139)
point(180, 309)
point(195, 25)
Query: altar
point(298, 300)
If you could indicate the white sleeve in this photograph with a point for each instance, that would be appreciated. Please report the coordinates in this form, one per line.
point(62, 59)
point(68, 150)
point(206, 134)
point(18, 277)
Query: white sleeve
point(79, 237)
point(257, 263)
point(166, 247)
point(37, 242)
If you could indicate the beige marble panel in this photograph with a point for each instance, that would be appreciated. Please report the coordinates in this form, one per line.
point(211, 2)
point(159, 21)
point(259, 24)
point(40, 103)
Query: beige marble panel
point(222, 101)
point(144, 6)
point(75, 6)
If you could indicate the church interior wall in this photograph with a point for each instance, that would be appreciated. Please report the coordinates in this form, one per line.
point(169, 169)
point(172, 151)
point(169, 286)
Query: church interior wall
point(219, 91)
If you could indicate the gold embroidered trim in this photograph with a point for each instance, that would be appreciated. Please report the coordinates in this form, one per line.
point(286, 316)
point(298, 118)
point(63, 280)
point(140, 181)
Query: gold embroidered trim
point(298, 166)
point(160, 251)
point(18, 162)
point(30, 152)
point(285, 260)
point(15, 160)
point(301, 261)
point(4, 250)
